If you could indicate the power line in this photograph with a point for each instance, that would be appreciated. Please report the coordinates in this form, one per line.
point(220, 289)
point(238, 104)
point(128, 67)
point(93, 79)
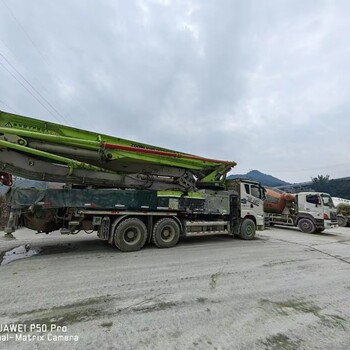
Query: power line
point(24, 31)
point(19, 73)
point(6, 105)
point(38, 51)
point(35, 77)
point(27, 90)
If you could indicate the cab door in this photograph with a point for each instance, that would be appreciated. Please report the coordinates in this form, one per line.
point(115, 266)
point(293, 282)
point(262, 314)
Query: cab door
point(252, 200)
point(313, 206)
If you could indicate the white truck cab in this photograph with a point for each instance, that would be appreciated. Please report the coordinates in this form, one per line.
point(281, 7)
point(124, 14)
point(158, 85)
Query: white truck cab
point(315, 211)
point(252, 202)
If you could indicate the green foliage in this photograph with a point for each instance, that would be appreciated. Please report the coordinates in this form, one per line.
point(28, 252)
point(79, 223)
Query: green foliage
point(336, 188)
point(320, 182)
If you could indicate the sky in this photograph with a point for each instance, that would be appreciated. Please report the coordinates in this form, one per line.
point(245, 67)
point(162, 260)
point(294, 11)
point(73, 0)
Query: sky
point(263, 83)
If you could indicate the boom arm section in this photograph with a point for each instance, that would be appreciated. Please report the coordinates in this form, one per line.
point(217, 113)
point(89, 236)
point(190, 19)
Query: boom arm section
point(41, 150)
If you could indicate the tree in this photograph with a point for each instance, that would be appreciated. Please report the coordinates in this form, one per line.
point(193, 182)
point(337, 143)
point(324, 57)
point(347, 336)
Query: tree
point(320, 183)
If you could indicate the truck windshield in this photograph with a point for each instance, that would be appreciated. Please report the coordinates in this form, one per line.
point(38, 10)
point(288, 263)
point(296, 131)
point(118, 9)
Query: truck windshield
point(255, 190)
point(327, 200)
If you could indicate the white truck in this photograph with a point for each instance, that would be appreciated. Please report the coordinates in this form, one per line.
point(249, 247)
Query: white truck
point(311, 212)
point(343, 211)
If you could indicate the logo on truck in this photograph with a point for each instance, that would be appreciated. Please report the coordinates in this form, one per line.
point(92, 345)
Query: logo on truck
point(251, 200)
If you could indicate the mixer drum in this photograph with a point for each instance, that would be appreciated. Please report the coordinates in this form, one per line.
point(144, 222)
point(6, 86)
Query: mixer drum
point(276, 200)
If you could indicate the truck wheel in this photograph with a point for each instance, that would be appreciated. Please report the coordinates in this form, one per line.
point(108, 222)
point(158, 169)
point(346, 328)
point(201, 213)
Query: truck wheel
point(248, 229)
point(342, 222)
point(306, 226)
point(166, 233)
point(130, 235)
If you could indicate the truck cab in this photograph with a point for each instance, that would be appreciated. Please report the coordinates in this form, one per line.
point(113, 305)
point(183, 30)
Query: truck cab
point(315, 211)
point(252, 202)
point(251, 196)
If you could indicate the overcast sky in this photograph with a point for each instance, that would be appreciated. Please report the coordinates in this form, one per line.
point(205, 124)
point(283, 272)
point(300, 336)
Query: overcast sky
point(263, 83)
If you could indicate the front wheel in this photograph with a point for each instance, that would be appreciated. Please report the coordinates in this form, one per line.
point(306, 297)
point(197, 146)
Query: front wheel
point(130, 235)
point(248, 229)
point(306, 226)
point(342, 221)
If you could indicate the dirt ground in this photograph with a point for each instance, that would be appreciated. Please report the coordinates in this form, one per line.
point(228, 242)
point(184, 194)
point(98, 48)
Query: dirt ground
point(283, 290)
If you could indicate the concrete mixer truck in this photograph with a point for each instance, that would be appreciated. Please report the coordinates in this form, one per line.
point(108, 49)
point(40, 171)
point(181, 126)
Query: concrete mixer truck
point(343, 211)
point(311, 212)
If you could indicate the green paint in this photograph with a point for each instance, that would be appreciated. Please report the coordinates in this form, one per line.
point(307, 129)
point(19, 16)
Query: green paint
point(70, 162)
point(205, 170)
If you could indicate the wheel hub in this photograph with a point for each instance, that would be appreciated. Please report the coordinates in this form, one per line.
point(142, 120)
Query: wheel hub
point(167, 234)
point(132, 235)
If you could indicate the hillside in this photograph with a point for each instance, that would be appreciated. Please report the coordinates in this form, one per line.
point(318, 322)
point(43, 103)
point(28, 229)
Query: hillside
point(264, 179)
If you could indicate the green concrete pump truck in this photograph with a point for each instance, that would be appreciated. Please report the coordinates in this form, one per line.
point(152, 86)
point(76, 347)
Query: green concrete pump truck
point(130, 193)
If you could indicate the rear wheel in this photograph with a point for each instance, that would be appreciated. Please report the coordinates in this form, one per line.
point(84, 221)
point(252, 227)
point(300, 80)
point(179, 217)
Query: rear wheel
point(166, 233)
point(306, 225)
point(342, 221)
point(130, 235)
point(248, 229)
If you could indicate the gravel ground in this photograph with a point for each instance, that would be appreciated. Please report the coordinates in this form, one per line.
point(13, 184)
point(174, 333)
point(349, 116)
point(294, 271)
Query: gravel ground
point(283, 290)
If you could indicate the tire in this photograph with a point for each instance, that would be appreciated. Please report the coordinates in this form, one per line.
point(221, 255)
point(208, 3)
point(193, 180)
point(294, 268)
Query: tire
point(306, 226)
point(248, 229)
point(130, 235)
point(166, 233)
point(342, 221)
